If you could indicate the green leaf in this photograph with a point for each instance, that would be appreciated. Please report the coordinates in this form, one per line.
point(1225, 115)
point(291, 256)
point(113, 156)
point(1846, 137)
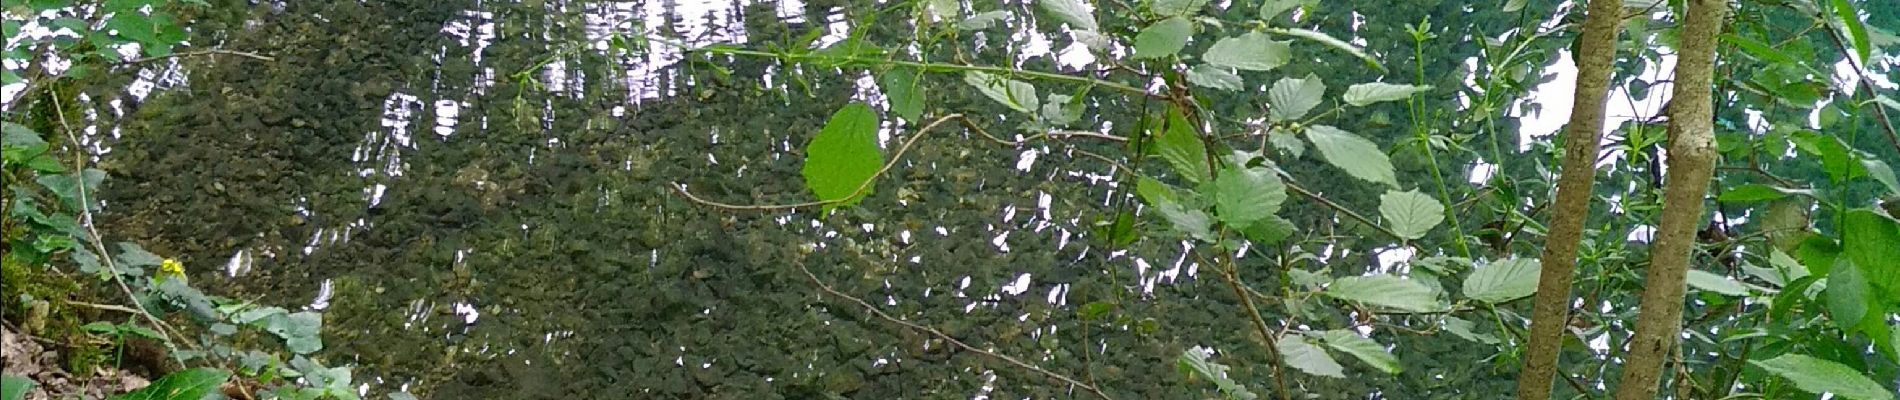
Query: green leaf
point(1073, 12)
point(1835, 157)
point(1017, 95)
point(20, 143)
point(304, 345)
point(1463, 328)
point(191, 384)
point(1330, 41)
point(983, 20)
point(1163, 38)
point(1367, 93)
point(258, 314)
point(1882, 173)
point(1411, 214)
point(1758, 49)
point(1709, 281)
point(1817, 376)
point(906, 100)
point(1213, 77)
point(1269, 230)
point(1269, 9)
point(1504, 280)
point(1176, 8)
point(1292, 98)
point(15, 387)
point(1252, 51)
point(1155, 192)
point(844, 157)
point(1181, 146)
point(1872, 242)
point(944, 9)
point(1300, 354)
point(1847, 294)
point(133, 255)
point(1243, 196)
point(1364, 349)
point(1855, 30)
point(1194, 363)
point(1755, 192)
point(1387, 291)
point(1287, 142)
point(1358, 156)
point(1061, 109)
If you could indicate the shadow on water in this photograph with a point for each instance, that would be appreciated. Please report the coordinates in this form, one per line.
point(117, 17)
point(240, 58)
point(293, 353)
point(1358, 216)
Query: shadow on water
point(473, 235)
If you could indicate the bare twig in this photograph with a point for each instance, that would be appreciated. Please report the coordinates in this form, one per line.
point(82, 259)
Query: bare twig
point(1341, 209)
point(952, 340)
point(244, 54)
point(862, 188)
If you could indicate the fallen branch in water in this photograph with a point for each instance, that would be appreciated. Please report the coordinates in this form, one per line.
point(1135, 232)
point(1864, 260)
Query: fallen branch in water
point(862, 188)
point(946, 337)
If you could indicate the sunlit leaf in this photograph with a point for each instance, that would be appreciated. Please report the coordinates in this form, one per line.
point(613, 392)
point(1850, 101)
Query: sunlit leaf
point(1193, 362)
point(1755, 193)
point(1856, 31)
point(1301, 354)
point(1368, 93)
point(1191, 222)
point(1287, 142)
point(1835, 157)
point(1269, 230)
point(907, 100)
point(1356, 155)
point(1709, 281)
point(1463, 329)
point(1364, 349)
point(844, 156)
point(1515, 5)
point(1073, 12)
point(193, 384)
point(1503, 280)
point(1176, 8)
point(1292, 98)
point(1243, 196)
point(1213, 77)
point(1757, 49)
point(1847, 294)
point(1385, 290)
point(1269, 9)
point(1252, 51)
point(1163, 38)
point(1410, 214)
point(1181, 146)
point(1882, 173)
point(1816, 375)
point(15, 387)
point(1872, 241)
point(1330, 41)
point(1017, 95)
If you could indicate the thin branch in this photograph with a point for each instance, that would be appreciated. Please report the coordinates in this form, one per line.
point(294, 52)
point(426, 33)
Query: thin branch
point(1253, 313)
point(952, 340)
point(244, 54)
point(1341, 209)
point(926, 66)
point(862, 188)
point(1879, 111)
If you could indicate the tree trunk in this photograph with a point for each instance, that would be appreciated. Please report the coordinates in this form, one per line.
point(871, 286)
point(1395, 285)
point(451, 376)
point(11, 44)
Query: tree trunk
point(1596, 55)
point(1691, 163)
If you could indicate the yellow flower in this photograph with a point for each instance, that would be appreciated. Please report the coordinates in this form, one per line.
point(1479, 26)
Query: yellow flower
point(171, 267)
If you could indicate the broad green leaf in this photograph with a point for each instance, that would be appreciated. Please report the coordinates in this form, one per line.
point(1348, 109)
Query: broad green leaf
point(1709, 281)
point(1269, 230)
point(843, 157)
point(1301, 354)
point(1181, 146)
point(1503, 280)
point(1358, 156)
point(191, 384)
point(1757, 49)
point(1755, 192)
point(1061, 110)
point(1017, 95)
point(131, 254)
point(1329, 40)
point(1243, 196)
point(1856, 31)
point(1194, 362)
point(1515, 5)
point(1847, 294)
point(20, 143)
point(1292, 98)
point(1410, 214)
point(1882, 173)
point(1176, 8)
point(1368, 93)
point(1155, 192)
point(1835, 157)
point(1252, 51)
point(983, 21)
point(1287, 142)
point(1463, 328)
point(944, 9)
point(15, 387)
point(1269, 9)
point(1163, 38)
point(907, 100)
point(1364, 349)
point(1192, 222)
point(1817, 376)
point(1872, 242)
point(1387, 291)
point(1074, 12)
point(1213, 77)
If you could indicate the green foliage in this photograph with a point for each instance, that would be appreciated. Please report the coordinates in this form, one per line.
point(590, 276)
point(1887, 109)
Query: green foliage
point(1712, 282)
point(1371, 352)
point(1073, 12)
point(1292, 98)
point(191, 384)
point(1817, 375)
point(1300, 353)
point(1504, 280)
point(1179, 143)
point(1368, 93)
point(1194, 363)
point(15, 387)
point(1018, 95)
point(1357, 156)
point(1411, 214)
point(1252, 51)
point(844, 157)
point(1164, 38)
point(1386, 291)
point(906, 99)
